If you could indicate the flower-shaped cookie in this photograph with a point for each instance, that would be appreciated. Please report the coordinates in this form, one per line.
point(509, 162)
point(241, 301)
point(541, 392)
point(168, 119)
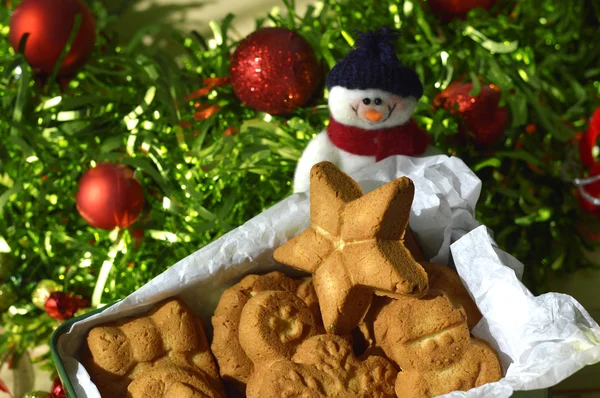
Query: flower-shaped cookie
point(324, 366)
point(355, 246)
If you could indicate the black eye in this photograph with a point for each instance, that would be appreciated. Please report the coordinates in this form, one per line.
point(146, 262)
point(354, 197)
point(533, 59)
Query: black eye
point(366, 101)
point(377, 101)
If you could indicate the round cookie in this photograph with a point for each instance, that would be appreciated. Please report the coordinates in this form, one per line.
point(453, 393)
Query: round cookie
point(234, 365)
point(447, 280)
point(273, 324)
point(422, 334)
point(478, 365)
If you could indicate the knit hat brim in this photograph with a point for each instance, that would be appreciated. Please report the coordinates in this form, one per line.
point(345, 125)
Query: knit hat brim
point(373, 64)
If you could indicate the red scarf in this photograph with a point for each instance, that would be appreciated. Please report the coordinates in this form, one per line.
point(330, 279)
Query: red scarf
point(407, 139)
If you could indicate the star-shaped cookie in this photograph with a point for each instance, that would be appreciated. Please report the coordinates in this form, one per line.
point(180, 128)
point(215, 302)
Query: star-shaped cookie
point(355, 246)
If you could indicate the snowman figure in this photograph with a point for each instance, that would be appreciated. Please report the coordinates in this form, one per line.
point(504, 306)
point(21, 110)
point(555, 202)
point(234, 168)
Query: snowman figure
point(372, 97)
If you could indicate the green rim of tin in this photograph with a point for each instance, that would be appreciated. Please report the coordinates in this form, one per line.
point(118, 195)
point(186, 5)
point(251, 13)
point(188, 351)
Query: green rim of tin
point(60, 366)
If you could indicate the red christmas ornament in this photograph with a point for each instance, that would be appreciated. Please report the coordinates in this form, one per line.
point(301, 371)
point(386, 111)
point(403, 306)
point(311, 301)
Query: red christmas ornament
point(589, 140)
point(61, 305)
point(49, 24)
point(275, 70)
point(450, 9)
point(109, 196)
point(57, 390)
point(483, 120)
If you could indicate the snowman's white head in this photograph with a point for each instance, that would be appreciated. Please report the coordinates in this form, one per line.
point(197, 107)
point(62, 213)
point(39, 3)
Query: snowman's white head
point(369, 109)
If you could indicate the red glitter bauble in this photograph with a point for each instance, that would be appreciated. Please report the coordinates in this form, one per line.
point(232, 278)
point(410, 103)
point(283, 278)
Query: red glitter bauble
point(450, 9)
point(109, 196)
point(61, 305)
point(589, 140)
point(483, 120)
point(49, 24)
point(57, 390)
point(275, 70)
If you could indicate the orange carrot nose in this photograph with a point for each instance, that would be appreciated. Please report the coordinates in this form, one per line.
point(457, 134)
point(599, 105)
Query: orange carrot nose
point(373, 116)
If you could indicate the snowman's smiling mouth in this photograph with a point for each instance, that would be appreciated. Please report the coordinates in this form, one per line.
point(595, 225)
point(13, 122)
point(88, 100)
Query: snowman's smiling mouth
point(390, 111)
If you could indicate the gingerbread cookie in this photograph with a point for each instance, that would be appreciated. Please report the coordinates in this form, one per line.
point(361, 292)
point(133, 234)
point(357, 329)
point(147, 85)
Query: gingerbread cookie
point(273, 324)
point(445, 279)
point(169, 337)
point(422, 334)
point(355, 246)
point(325, 366)
point(234, 365)
point(478, 365)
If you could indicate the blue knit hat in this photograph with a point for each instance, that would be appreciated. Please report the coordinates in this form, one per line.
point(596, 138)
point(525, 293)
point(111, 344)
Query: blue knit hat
point(374, 64)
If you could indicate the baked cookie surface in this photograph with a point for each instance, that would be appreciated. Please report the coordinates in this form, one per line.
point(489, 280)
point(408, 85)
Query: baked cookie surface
point(478, 365)
point(235, 366)
point(168, 342)
point(355, 246)
point(422, 334)
point(325, 366)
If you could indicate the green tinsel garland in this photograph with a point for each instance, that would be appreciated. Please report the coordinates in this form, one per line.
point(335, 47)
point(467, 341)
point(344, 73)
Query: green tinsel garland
point(128, 105)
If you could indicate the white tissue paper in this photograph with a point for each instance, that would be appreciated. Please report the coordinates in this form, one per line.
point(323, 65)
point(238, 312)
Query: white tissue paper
point(541, 340)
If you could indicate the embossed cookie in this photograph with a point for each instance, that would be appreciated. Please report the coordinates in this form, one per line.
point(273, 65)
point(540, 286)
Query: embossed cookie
point(447, 280)
point(169, 337)
point(355, 246)
point(171, 382)
point(273, 324)
point(478, 365)
point(422, 334)
point(234, 365)
point(325, 366)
